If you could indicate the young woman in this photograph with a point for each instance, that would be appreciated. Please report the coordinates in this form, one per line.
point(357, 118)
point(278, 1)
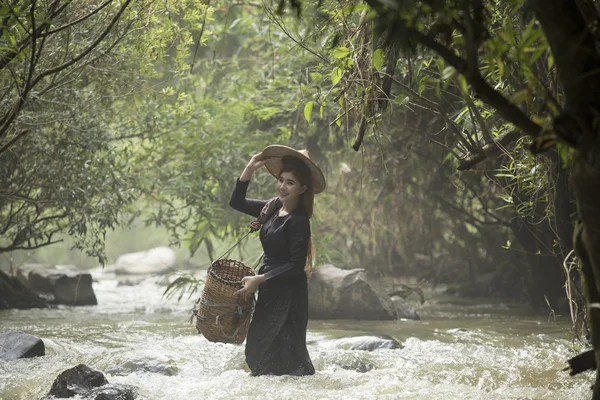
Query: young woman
point(276, 341)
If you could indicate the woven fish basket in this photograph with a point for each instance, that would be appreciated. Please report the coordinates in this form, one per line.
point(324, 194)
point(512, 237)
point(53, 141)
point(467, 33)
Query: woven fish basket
point(220, 315)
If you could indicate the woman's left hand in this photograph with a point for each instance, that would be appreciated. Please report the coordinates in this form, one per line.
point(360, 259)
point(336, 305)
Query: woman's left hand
point(250, 284)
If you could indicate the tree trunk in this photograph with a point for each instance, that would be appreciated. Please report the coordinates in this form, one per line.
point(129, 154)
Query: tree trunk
point(577, 59)
point(545, 279)
point(586, 179)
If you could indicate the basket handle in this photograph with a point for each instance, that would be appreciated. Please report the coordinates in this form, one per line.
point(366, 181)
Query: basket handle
point(232, 247)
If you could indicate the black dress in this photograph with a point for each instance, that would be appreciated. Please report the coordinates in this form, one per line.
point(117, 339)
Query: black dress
point(276, 342)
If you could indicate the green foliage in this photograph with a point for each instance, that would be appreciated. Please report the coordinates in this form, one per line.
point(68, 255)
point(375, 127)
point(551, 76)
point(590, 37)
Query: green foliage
point(69, 70)
point(182, 284)
point(181, 94)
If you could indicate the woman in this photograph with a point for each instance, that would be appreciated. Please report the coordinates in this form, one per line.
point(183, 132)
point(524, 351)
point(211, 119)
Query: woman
point(276, 341)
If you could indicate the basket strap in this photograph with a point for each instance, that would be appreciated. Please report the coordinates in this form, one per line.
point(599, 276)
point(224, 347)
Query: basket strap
point(232, 247)
point(267, 211)
point(240, 310)
point(234, 334)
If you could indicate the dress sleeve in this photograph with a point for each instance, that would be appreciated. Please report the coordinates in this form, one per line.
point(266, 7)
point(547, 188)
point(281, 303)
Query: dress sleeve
point(299, 234)
point(240, 203)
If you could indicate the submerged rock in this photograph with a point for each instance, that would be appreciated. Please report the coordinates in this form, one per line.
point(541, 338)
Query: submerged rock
point(88, 383)
point(14, 294)
point(349, 361)
point(15, 345)
point(159, 260)
point(59, 284)
point(144, 365)
point(368, 343)
point(334, 293)
point(129, 282)
point(113, 391)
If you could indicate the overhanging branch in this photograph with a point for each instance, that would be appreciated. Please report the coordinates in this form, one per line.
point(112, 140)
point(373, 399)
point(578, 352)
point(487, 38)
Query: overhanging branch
point(489, 95)
point(489, 150)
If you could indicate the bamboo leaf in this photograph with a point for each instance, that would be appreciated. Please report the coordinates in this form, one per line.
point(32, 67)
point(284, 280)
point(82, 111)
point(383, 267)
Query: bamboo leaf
point(341, 52)
point(336, 75)
point(378, 59)
point(402, 99)
point(308, 110)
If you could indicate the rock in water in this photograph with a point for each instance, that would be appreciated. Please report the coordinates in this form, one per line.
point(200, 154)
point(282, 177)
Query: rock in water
point(335, 293)
point(403, 309)
point(15, 345)
point(59, 284)
point(78, 380)
point(14, 294)
point(368, 343)
point(89, 384)
point(113, 391)
point(75, 290)
point(159, 260)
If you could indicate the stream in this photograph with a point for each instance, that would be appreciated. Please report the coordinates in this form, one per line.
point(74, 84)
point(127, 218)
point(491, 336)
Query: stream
point(460, 349)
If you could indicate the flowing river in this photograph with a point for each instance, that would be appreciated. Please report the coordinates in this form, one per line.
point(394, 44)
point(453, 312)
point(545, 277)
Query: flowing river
point(459, 350)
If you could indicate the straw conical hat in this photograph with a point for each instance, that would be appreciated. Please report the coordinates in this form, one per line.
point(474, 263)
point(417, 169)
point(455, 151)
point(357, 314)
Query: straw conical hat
point(274, 153)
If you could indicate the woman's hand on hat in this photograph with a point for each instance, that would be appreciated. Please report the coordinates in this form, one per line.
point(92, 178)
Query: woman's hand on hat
point(249, 285)
point(257, 161)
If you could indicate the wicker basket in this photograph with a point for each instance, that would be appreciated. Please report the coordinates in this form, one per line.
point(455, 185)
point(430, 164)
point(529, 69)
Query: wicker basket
point(220, 315)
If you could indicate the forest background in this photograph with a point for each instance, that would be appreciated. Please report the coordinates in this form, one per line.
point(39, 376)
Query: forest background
point(124, 124)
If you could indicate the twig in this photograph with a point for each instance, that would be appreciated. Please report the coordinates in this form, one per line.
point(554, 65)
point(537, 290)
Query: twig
point(13, 140)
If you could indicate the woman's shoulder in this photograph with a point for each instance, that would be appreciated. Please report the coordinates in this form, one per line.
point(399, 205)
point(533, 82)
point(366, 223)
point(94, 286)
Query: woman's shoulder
point(298, 217)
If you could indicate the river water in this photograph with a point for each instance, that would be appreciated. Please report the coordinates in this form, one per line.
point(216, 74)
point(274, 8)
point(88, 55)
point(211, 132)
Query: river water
point(459, 350)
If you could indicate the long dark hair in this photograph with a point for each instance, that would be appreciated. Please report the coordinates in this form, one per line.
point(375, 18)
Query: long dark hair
point(306, 200)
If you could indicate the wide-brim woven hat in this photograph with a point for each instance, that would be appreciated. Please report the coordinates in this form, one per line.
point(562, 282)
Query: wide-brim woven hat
point(274, 153)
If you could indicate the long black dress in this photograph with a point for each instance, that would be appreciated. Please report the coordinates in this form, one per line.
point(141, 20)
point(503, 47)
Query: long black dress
point(276, 341)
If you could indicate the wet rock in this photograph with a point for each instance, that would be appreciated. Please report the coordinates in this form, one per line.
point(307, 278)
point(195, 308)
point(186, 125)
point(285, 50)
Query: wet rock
point(79, 380)
point(457, 330)
point(88, 383)
point(350, 361)
point(368, 343)
point(113, 391)
point(358, 366)
point(334, 293)
point(128, 282)
point(144, 365)
point(156, 261)
point(14, 294)
point(15, 345)
point(403, 309)
point(59, 284)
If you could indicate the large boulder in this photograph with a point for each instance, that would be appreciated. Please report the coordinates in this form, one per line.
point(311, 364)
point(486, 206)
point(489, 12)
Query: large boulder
point(156, 261)
point(15, 345)
point(335, 293)
point(88, 383)
point(59, 284)
point(14, 294)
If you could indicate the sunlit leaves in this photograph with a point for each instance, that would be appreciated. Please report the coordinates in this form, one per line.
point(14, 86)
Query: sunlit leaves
point(308, 110)
point(341, 52)
point(402, 99)
point(336, 75)
point(378, 59)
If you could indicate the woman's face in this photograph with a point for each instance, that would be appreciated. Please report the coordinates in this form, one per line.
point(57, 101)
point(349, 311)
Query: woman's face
point(288, 187)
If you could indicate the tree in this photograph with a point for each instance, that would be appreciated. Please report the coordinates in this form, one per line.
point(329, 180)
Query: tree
point(64, 164)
